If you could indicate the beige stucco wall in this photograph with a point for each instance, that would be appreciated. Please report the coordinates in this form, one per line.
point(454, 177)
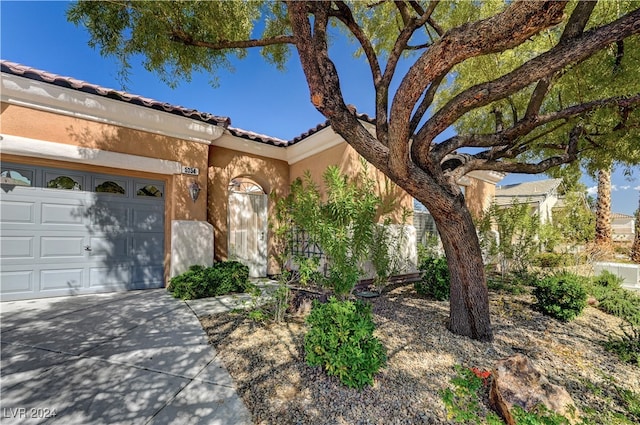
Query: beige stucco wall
point(349, 162)
point(478, 195)
point(51, 127)
point(225, 165)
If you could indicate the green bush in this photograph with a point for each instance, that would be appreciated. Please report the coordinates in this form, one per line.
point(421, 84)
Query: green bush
point(607, 280)
point(561, 296)
point(627, 347)
point(551, 259)
point(340, 339)
point(435, 281)
point(614, 299)
point(202, 282)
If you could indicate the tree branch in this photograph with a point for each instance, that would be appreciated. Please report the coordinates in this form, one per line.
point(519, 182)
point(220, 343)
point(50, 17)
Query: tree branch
point(574, 27)
point(432, 5)
point(346, 17)
point(570, 155)
point(505, 30)
point(570, 52)
point(180, 36)
point(526, 125)
point(427, 100)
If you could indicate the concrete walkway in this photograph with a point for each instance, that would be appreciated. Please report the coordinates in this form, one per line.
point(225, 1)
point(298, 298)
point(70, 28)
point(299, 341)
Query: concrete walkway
point(126, 358)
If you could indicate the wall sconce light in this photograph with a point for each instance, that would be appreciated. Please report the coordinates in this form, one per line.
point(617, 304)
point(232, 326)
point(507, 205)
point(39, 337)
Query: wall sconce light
point(194, 190)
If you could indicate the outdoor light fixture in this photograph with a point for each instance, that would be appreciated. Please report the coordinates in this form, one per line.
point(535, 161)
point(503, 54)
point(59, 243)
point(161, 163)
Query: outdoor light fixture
point(194, 190)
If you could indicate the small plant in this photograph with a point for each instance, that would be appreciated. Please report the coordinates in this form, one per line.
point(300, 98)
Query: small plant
point(463, 400)
point(340, 339)
point(435, 281)
point(627, 347)
point(202, 282)
point(561, 296)
point(308, 270)
point(257, 315)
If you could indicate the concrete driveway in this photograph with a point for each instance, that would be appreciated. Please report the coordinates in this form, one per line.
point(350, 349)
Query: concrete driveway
point(126, 358)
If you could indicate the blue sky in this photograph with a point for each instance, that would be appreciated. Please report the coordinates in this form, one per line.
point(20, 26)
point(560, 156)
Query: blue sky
point(257, 97)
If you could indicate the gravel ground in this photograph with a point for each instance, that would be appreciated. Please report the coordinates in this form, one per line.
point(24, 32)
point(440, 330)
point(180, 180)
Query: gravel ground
point(267, 364)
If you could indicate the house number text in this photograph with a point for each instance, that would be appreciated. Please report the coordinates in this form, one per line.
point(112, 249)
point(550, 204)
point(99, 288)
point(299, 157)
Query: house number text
point(193, 171)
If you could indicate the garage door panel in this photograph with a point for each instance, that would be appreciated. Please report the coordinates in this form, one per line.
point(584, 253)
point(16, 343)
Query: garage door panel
point(110, 218)
point(62, 246)
point(16, 281)
point(108, 247)
point(116, 277)
point(63, 214)
point(61, 279)
point(147, 220)
point(146, 277)
point(17, 212)
point(148, 248)
point(17, 247)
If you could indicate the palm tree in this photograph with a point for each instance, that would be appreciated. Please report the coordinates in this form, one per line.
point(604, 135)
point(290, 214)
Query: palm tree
point(604, 238)
point(635, 248)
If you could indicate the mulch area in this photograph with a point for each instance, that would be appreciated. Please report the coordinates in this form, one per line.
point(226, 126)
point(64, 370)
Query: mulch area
point(266, 361)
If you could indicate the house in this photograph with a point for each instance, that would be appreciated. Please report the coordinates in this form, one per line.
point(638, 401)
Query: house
point(104, 190)
point(623, 227)
point(541, 195)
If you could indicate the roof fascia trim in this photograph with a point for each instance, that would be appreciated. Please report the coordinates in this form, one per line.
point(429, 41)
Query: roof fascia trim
point(35, 148)
point(236, 143)
point(312, 145)
point(48, 97)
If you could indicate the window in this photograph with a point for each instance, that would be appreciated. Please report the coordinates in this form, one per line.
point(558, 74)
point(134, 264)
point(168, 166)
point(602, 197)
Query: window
point(65, 182)
point(149, 190)
point(16, 177)
point(110, 186)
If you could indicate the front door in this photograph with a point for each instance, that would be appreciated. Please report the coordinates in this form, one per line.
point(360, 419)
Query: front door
point(248, 231)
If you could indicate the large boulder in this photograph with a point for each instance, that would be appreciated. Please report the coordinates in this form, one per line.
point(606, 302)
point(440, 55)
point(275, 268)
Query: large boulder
point(516, 382)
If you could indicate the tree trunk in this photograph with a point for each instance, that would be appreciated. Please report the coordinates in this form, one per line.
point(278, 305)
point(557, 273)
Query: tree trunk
point(604, 239)
point(635, 248)
point(469, 300)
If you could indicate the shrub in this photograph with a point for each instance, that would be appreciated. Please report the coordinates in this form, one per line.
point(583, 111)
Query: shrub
point(435, 281)
point(615, 300)
point(340, 339)
point(627, 347)
point(551, 259)
point(607, 280)
point(202, 282)
point(561, 296)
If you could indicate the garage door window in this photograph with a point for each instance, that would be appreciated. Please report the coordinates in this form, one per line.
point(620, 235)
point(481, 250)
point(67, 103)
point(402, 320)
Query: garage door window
point(64, 182)
point(110, 186)
point(149, 190)
point(16, 177)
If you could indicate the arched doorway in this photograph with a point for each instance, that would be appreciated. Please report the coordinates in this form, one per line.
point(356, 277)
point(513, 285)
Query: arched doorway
point(248, 225)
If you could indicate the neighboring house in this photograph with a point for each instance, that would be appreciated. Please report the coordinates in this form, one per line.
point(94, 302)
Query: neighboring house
point(102, 190)
point(623, 227)
point(541, 195)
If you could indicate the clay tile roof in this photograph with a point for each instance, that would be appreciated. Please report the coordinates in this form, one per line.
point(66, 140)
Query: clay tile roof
point(322, 126)
point(72, 83)
point(257, 137)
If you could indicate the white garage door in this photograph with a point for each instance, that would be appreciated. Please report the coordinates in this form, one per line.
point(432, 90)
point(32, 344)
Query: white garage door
point(66, 232)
